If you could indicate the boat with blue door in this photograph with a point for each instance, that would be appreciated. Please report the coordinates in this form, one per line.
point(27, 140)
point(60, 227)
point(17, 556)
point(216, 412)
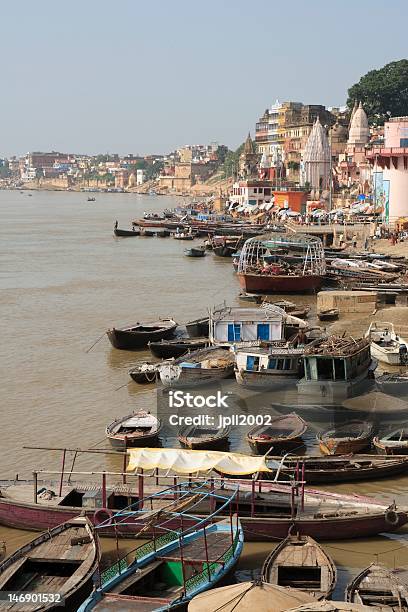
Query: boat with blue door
point(232, 325)
point(268, 365)
point(166, 572)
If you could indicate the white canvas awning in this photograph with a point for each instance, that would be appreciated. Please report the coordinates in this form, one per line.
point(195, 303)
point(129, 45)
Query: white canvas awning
point(183, 461)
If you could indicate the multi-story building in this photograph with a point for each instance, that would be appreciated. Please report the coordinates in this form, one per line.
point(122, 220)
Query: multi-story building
point(283, 130)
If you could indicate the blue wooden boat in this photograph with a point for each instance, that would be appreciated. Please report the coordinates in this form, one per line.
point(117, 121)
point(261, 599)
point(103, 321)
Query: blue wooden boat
point(169, 570)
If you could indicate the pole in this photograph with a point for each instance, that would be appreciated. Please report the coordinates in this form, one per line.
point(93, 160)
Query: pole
point(253, 498)
point(103, 490)
point(124, 464)
point(35, 475)
point(330, 173)
point(62, 471)
point(206, 555)
point(140, 492)
point(303, 487)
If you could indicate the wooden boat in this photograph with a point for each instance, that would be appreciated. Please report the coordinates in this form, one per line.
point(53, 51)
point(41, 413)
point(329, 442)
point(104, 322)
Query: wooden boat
point(163, 233)
point(204, 366)
point(331, 314)
point(195, 252)
point(137, 429)
point(320, 470)
point(144, 373)
point(395, 443)
point(198, 328)
point(300, 563)
point(351, 437)
point(378, 586)
point(262, 283)
point(126, 233)
point(88, 200)
point(183, 236)
point(250, 297)
point(386, 345)
point(336, 368)
point(205, 437)
point(139, 335)
point(167, 572)
point(249, 596)
point(270, 366)
point(281, 434)
point(336, 606)
point(267, 510)
point(148, 233)
point(61, 561)
point(394, 383)
point(166, 349)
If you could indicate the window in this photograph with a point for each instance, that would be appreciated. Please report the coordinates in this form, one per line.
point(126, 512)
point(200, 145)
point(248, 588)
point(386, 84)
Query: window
point(252, 362)
point(272, 363)
point(403, 142)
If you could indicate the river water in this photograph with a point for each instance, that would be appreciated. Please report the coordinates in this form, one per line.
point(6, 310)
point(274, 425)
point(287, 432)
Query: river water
point(65, 279)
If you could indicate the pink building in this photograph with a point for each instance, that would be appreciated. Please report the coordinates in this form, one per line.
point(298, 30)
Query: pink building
point(392, 158)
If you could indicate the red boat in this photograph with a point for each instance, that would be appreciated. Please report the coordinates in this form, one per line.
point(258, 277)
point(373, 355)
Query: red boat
point(266, 509)
point(278, 263)
point(262, 283)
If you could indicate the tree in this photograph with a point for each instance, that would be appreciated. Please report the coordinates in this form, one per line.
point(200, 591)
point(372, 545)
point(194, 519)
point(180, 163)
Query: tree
point(230, 166)
point(383, 92)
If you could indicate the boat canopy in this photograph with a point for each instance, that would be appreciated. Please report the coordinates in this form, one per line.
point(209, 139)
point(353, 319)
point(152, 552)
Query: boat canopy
point(183, 461)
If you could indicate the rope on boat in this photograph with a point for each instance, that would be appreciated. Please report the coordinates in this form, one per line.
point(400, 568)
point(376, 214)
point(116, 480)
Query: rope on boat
point(96, 342)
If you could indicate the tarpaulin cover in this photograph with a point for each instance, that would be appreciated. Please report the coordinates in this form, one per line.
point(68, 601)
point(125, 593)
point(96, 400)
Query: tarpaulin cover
point(183, 461)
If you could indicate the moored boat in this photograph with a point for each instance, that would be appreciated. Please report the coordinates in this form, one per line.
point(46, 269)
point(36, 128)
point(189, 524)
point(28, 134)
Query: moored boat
point(351, 437)
point(144, 373)
point(300, 563)
point(166, 349)
point(137, 429)
point(394, 443)
point(204, 437)
point(204, 366)
point(256, 276)
point(139, 335)
point(281, 434)
point(61, 562)
point(331, 314)
point(378, 586)
point(269, 366)
point(250, 596)
point(183, 236)
point(394, 383)
point(328, 469)
point(337, 368)
point(168, 571)
point(198, 328)
point(266, 509)
point(386, 345)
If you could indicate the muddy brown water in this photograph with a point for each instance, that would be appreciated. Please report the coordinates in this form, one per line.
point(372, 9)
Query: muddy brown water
point(64, 280)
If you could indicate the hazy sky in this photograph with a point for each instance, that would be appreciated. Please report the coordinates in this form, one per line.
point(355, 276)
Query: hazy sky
point(138, 76)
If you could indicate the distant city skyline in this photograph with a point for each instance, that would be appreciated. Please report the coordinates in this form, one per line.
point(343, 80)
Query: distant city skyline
point(96, 77)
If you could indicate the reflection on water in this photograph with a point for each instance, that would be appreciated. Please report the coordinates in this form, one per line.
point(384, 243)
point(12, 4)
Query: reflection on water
point(64, 280)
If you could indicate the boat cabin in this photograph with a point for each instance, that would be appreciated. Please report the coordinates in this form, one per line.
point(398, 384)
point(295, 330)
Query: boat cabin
point(335, 367)
point(271, 359)
point(229, 325)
